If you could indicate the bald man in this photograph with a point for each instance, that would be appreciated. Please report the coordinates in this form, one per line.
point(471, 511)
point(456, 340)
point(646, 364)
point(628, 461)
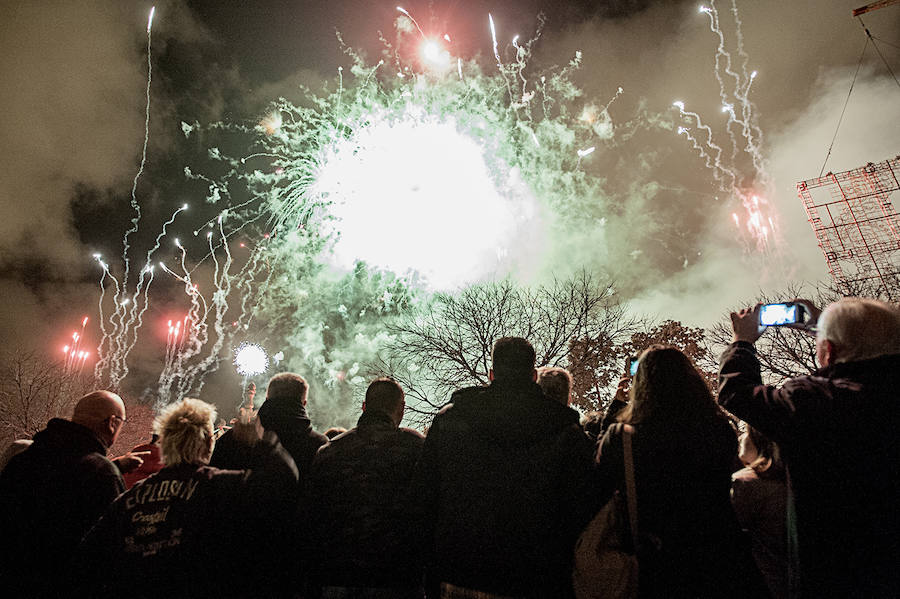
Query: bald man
point(53, 492)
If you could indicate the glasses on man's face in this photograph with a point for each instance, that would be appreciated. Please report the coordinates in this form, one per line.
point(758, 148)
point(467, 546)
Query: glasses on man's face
point(115, 417)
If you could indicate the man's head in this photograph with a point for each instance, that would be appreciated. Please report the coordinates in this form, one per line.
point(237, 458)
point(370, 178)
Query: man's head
point(856, 328)
point(287, 385)
point(285, 400)
point(385, 395)
point(185, 432)
point(103, 412)
point(512, 360)
point(556, 383)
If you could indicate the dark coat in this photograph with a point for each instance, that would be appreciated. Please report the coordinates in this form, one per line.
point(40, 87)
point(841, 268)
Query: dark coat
point(287, 419)
point(760, 503)
point(358, 506)
point(50, 495)
point(837, 430)
point(691, 542)
point(505, 488)
point(176, 533)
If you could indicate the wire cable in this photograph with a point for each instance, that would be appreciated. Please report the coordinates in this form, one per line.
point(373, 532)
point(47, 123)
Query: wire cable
point(844, 109)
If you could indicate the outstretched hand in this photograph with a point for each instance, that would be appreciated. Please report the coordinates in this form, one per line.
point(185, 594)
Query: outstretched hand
point(131, 461)
point(244, 429)
point(746, 324)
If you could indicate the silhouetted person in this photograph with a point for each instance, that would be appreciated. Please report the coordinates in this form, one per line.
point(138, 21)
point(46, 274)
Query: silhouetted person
point(504, 485)
point(759, 496)
point(556, 383)
point(358, 507)
point(54, 491)
point(837, 431)
point(175, 533)
point(283, 413)
point(684, 449)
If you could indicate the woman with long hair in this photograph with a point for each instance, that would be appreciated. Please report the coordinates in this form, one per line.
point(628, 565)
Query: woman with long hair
point(684, 450)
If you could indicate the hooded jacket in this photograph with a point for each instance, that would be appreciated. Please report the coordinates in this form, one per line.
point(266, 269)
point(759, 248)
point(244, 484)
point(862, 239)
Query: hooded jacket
point(287, 418)
point(505, 487)
point(50, 495)
point(837, 430)
point(276, 554)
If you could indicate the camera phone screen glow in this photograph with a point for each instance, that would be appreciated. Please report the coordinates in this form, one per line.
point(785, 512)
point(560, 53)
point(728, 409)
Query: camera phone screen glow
point(775, 314)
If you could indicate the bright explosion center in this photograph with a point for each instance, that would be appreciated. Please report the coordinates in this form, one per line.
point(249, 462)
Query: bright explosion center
point(411, 192)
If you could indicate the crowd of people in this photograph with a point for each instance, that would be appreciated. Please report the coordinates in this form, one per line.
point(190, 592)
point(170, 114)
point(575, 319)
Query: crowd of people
point(760, 491)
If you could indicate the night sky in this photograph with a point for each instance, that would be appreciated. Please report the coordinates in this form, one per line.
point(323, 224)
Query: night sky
point(72, 116)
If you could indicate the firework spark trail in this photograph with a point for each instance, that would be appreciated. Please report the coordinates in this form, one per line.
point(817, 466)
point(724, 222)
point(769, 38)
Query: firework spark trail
point(718, 166)
point(114, 344)
point(710, 163)
point(75, 357)
point(135, 314)
point(193, 338)
point(135, 321)
point(135, 221)
point(172, 337)
point(108, 344)
point(743, 93)
point(619, 92)
point(504, 72)
point(722, 55)
point(750, 132)
point(222, 284)
point(182, 374)
point(741, 123)
point(404, 11)
point(494, 40)
point(739, 37)
point(127, 318)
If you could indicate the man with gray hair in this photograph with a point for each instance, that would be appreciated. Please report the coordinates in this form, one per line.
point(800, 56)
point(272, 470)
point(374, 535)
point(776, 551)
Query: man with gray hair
point(837, 430)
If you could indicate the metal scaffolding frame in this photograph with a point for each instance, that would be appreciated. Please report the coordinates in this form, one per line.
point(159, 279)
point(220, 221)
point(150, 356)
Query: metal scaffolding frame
point(857, 227)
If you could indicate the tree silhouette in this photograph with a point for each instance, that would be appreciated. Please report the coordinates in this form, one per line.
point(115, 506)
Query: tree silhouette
point(447, 345)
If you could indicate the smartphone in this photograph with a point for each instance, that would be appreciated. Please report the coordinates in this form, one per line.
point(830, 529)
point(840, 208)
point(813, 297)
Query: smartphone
point(776, 315)
point(632, 365)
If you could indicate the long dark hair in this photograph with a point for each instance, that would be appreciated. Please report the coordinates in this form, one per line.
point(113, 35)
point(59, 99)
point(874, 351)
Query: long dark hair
point(667, 388)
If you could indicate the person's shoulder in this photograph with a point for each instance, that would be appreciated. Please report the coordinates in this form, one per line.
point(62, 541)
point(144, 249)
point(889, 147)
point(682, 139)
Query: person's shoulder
point(410, 438)
point(564, 415)
point(612, 438)
point(411, 434)
point(465, 399)
point(225, 442)
point(467, 393)
point(809, 389)
point(337, 444)
point(745, 476)
point(97, 463)
point(317, 438)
